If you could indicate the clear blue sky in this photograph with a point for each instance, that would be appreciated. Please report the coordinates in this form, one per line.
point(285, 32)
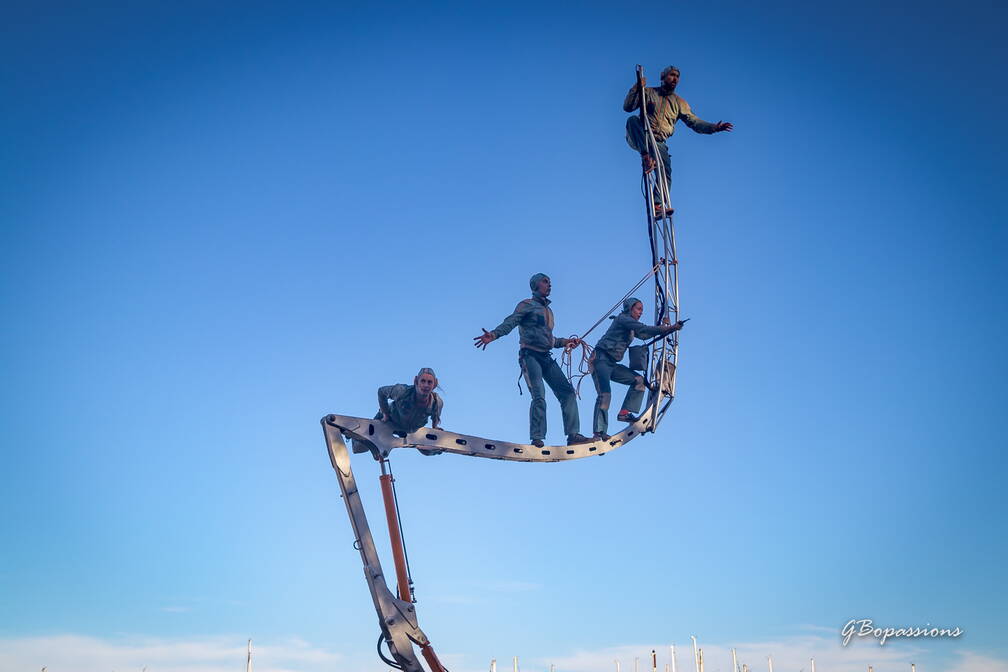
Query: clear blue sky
point(219, 223)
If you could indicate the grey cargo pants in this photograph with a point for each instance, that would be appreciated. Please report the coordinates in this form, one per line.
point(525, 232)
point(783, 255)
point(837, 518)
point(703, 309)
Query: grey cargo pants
point(539, 366)
point(604, 370)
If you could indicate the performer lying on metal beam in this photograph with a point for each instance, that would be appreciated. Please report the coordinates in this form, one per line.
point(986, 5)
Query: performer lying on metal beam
point(411, 406)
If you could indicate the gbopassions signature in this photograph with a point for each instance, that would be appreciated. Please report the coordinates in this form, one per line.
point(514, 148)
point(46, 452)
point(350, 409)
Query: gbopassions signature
point(864, 627)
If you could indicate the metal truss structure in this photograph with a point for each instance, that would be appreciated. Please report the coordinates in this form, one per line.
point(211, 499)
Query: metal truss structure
point(661, 235)
point(397, 616)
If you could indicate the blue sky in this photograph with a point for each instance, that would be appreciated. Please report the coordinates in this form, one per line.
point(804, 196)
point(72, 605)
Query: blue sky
point(218, 224)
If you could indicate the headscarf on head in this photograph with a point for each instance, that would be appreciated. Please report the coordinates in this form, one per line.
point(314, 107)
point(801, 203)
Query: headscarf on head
point(669, 69)
point(629, 303)
point(534, 281)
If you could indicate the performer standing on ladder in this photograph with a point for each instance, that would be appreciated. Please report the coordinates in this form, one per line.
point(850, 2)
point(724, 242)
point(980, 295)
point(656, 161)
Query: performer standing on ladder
point(663, 108)
point(534, 319)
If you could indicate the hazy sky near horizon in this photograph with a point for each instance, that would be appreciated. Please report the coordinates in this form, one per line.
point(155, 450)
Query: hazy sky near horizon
point(219, 222)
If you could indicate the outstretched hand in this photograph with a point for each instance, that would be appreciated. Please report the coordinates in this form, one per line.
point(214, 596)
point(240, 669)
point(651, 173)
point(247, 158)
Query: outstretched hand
point(723, 126)
point(483, 340)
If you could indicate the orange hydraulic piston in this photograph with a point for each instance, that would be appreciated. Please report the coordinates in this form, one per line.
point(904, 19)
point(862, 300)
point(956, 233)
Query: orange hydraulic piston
point(395, 536)
point(428, 653)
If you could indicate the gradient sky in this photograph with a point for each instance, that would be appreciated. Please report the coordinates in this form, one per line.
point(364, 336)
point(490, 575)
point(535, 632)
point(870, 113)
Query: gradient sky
point(219, 222)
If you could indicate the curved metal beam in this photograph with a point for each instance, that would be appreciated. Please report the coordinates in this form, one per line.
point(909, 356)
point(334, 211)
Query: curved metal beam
point(385, 439)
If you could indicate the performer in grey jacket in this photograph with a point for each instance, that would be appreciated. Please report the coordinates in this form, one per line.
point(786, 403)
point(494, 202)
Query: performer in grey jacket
point(409, 410)
point(606, 367)
point(534, 319)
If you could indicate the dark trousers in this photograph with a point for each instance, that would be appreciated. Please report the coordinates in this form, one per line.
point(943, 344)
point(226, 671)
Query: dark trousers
point(636, 138)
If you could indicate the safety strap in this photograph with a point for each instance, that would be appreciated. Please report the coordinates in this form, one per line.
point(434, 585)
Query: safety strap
point(521, 369)
point(625, 297)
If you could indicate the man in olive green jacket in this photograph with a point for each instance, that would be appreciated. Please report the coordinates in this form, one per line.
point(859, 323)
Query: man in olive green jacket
point(663, 108)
